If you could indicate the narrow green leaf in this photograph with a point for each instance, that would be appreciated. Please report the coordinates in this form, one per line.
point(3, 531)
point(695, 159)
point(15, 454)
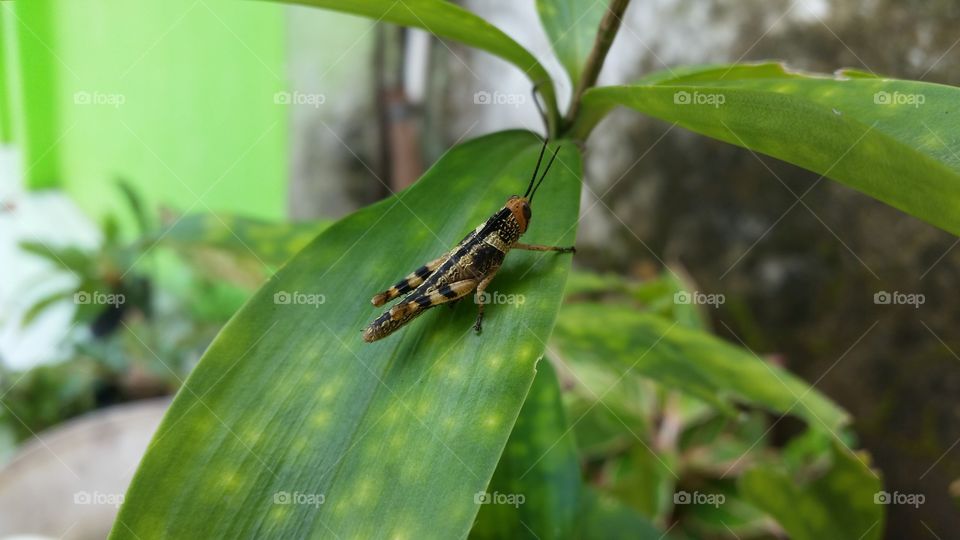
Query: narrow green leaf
point(643, 480)
point(291, 426)
point(538, 471)
point(259, 242)
point(448, 20)
point(68, 258)
point(571, 26)
point(893, 140)
point(837, 503)
point(43, 304)
point(630, 342)
point(605, 517)
point(135, 203)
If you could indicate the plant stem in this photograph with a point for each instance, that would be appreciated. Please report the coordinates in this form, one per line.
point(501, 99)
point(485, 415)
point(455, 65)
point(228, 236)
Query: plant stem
point(609, 26)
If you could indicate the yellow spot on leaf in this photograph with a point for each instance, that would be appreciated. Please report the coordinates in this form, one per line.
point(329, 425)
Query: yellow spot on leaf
point(320, 419)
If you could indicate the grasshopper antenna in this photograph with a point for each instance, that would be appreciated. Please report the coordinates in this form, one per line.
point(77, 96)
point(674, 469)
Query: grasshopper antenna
point(537, 169)
point(545, 171)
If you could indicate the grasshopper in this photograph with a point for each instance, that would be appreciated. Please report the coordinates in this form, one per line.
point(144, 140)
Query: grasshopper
point(468, 267)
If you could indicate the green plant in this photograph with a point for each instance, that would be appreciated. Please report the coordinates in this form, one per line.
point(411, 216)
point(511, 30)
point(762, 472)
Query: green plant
point(137, 333)
point(291, 426)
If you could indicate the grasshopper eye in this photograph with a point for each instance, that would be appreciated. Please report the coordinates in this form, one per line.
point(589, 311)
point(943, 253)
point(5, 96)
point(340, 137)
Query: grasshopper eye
point(526, 211)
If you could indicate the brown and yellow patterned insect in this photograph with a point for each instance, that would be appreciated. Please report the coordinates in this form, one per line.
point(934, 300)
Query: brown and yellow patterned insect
point(468, 267)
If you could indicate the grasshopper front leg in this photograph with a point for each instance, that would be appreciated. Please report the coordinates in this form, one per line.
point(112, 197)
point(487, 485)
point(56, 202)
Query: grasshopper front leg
point(480, 295)
point(538, 247)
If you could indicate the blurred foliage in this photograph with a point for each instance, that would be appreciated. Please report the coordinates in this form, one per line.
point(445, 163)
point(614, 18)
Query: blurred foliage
point(148, 337)
point(677, 426)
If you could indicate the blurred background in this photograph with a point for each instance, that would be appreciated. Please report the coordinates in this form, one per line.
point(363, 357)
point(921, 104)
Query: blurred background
point(159, 159)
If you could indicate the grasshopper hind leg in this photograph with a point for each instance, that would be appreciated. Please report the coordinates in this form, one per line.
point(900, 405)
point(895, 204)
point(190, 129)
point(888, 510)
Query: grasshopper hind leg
point(409, 309)
point(408, 283)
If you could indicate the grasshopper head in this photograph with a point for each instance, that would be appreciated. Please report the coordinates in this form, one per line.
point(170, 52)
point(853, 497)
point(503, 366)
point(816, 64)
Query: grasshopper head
point(520, 208)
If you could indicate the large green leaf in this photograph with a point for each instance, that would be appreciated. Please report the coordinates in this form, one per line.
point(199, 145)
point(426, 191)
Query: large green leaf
point(448, 20)
point(838, 501)
point(390, 439)
point(890, 139)
point(572, 26)
point(629, 342)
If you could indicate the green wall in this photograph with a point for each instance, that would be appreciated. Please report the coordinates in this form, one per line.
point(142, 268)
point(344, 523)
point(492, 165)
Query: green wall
point(176, 96)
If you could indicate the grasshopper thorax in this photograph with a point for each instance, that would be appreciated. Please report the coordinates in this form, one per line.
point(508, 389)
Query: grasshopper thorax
point(520, 208)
